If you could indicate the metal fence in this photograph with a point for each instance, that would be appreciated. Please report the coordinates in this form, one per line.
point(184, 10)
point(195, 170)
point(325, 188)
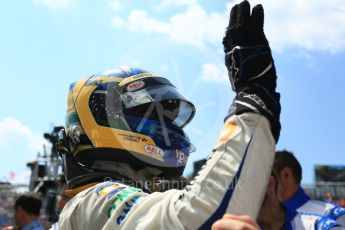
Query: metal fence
point(319, 190)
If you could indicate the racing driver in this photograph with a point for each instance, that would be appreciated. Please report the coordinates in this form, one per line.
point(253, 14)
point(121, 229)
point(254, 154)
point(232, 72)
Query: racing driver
point(125, 127)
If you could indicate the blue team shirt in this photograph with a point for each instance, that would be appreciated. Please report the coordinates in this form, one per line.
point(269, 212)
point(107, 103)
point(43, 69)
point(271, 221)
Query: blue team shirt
point(296, 220)
point(301, 202)
point(34, 225)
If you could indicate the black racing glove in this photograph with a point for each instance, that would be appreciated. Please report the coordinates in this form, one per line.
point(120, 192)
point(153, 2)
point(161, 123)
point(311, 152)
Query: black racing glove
point(250, 65)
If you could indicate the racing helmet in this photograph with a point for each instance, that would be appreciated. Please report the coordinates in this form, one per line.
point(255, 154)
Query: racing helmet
point(126, 115)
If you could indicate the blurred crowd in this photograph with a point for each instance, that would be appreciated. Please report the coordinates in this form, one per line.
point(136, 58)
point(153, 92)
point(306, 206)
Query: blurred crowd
point(14, 203)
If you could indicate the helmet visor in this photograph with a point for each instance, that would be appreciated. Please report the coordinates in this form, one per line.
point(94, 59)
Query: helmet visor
point(173, 144)
point(159, 102)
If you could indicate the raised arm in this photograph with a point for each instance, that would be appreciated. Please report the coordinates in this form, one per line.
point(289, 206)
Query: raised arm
point(235, 177)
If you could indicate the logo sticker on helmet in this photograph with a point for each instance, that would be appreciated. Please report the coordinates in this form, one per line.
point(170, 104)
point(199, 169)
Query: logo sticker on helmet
point(134, 86)
point(154, 150)
point(181, 157)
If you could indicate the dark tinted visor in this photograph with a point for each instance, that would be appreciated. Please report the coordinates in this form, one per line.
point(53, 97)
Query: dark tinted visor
point(166, 136)
point(159, 101)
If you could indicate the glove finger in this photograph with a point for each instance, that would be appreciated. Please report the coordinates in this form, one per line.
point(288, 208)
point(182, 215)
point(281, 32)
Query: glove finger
point(230, 37)
point(243, 15)
point(243, 20)
point(257, 22)
point(233, 16)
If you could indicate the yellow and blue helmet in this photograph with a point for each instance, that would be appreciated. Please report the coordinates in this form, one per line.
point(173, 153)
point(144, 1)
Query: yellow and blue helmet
point(126, 115)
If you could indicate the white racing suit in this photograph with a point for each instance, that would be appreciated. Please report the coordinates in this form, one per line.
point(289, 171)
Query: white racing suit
point(234, 180)
point(300, 201)
point(296, 220)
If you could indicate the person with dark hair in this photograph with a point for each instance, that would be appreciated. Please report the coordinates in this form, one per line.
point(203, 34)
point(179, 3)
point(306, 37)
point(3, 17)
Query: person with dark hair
point(273, 215)
point(289, 175)
point(26, 212)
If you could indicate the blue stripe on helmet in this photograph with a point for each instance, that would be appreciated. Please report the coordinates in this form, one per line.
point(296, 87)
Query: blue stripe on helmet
point(122, 72)
point(135, 71)
point(71, 86)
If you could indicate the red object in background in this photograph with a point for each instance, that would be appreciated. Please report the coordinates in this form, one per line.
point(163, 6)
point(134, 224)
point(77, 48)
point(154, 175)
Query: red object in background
point(11, 176)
